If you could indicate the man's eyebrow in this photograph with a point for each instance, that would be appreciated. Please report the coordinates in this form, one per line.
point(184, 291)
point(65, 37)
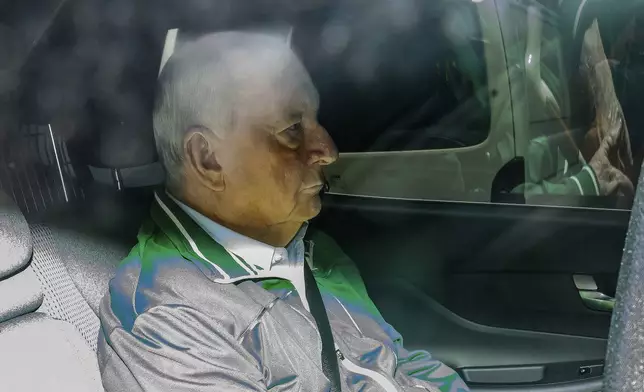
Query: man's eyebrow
point(294, 115)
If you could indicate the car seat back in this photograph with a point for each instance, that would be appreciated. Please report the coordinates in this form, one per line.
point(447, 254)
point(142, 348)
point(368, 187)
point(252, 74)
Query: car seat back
point(37, 352)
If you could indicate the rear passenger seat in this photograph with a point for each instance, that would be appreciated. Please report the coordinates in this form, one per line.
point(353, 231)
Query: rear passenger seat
point(57, 261)
point(37, 352)
point(77, 252)
point(78, 246)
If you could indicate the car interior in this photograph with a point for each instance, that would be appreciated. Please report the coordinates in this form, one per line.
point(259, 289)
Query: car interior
point(493, 290)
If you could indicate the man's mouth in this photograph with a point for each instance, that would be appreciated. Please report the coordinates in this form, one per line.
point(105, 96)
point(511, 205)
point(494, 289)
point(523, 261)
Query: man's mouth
point(316, 188)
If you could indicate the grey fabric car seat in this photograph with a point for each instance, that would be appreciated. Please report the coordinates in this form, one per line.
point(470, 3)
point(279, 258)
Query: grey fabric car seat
point(62, 299)
point(77, 252)
point(37, 353)
point(78, 243)
point(78, 248)
point(79, 231)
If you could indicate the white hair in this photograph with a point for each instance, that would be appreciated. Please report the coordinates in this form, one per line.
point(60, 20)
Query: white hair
point(199, 87)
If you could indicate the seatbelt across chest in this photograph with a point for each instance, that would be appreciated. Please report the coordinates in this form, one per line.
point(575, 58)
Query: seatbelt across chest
point(316, 306)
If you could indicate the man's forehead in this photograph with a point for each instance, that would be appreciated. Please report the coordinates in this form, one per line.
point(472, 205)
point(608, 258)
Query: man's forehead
point(302, 96)
point(293, 101)
point(287, 92)
point(279, 109)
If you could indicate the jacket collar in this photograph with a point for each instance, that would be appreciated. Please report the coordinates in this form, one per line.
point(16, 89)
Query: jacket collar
point(230, 256)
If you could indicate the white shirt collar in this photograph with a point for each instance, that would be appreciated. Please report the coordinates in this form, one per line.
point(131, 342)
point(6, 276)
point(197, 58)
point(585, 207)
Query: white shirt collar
point(259, 256)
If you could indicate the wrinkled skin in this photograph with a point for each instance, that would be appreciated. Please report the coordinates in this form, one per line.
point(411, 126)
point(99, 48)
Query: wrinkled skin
point(262, 178)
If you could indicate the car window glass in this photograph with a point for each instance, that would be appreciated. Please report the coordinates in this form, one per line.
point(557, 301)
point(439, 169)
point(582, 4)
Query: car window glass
point(514, 110)
point(390, 82)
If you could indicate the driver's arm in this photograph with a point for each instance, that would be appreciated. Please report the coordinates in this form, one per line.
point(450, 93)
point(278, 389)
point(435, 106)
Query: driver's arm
point(583, 183)
point(548, 172)
point(177, 348)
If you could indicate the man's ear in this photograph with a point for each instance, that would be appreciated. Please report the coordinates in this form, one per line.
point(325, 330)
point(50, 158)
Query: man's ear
point(200, 156)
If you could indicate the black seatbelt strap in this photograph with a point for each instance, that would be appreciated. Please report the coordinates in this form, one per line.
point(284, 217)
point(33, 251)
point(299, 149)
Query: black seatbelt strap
point(316, 306)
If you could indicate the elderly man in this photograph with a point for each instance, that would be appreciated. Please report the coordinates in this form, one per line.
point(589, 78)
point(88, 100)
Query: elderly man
point(218, 294)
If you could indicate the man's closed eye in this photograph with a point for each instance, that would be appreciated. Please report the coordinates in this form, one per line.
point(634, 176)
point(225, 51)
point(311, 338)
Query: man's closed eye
point(294, 134)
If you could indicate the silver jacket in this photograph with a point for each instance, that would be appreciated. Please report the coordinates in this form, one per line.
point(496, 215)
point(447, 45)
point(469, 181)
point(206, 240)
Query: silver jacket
point(185, 313)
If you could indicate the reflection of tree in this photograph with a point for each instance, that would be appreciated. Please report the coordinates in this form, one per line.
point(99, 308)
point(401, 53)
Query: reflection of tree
point(608, 141)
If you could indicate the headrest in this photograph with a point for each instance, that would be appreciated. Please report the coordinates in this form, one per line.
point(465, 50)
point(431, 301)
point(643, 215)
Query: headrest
point(121, 115)
point(130, 177)
point(15, 238)
point(127, 155)
point(20, 291)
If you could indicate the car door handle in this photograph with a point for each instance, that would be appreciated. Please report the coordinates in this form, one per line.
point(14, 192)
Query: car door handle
point(591, 296)
point(597, 301)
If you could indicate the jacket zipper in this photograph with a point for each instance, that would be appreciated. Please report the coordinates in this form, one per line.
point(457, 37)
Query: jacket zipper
point(381, 380)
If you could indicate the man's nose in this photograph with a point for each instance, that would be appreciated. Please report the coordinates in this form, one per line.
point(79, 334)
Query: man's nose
point(322, 149)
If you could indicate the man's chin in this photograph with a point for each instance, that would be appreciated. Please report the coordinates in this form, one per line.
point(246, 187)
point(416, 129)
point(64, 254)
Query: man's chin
point(311, 208)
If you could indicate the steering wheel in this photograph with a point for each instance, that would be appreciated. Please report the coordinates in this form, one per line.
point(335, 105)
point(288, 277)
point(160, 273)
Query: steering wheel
point(625, 356)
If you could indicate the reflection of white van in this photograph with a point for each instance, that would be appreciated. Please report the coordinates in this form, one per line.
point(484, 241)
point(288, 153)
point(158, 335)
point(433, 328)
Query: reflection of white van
point(524, 95)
